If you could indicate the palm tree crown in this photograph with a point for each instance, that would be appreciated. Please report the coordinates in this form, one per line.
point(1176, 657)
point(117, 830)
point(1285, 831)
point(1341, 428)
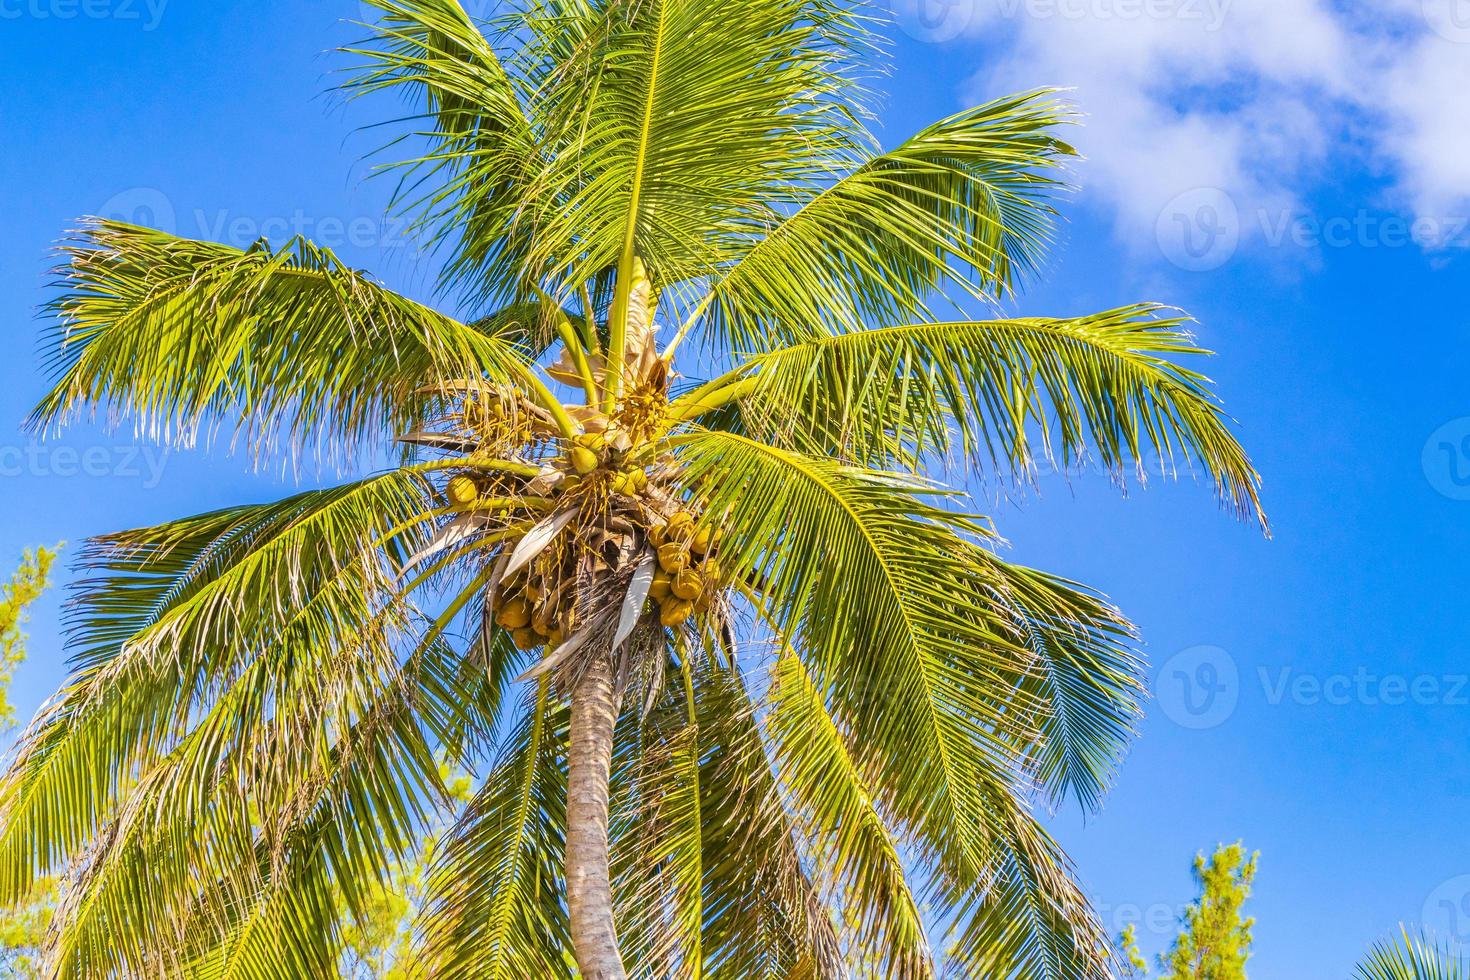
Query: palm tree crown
point(750, 695)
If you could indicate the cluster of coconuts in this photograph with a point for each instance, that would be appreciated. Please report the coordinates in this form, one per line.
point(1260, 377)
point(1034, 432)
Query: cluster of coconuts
point(534, 611)
point(536, 606)
point(586, 455)
point(688, 574)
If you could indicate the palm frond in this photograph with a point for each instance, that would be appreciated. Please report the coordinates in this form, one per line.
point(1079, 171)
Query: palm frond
point(173, 620)
point(854, 845)
point(1085, 679)
point(470, 188)
point(240, 848)
point(965, 202)
point(711, 878)
point(495, 905)
point(183, 336)
point(1020, 914)
point(900, 637)
point(1413, 957)
point(1103, 384)
point(674, 127)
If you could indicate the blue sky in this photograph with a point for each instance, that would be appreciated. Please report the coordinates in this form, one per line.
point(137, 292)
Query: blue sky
point(1294, 176)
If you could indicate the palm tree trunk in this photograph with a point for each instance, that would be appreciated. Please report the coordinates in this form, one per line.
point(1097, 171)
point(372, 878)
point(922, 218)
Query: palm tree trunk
point(589, 886)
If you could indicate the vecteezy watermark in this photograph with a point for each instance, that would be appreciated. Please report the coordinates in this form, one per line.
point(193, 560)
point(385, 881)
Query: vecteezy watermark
point(1198, 688)
point(1363, 229)
point(152, 208)
point(1450, 19)
point(1149, 919)
point(1446, 912)
point(1156, 920)
point(1446, 459)
point(1363, 686)
point(1199, 230)
point(1201, 688)
point(936, 21)
point(144, 464)
point(1202, 229)
point(147, 13)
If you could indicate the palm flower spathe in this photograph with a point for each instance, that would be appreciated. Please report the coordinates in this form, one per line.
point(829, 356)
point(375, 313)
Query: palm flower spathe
point(562, 584)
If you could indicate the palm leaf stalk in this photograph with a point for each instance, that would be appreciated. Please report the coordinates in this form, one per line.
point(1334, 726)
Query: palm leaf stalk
point(262, 695)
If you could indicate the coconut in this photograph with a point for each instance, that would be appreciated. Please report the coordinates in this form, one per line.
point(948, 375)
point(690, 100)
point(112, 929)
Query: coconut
point(673, 557)
point(688, 584)
point(713, 572)
point(462, 491)
point(525, 639)
point(702, 540)
point(658, 535)
point(584, 460)
point(675, 613)
point(543, 618)
point(515, 614)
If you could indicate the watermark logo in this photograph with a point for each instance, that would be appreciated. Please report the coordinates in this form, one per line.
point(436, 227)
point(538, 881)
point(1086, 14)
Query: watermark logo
point(937, 21)
point(1202, 229)
point(1202, 687)
point(1198, 688)
point(146, 206)
point(148, 14)
point(1446, 912)
point(1147, 919)
point(144, 465)
point(1363, 687)
point(934, 21)
point(1450, 19)
point(152, 208)
point(1446, 459)
point(1199, 231)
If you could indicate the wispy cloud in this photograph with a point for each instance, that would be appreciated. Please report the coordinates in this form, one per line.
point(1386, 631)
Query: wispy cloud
point(1247, 105)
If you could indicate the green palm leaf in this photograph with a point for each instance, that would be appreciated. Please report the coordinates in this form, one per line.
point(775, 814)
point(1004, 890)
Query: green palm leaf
point(1412, 957)
point(964, 202)
point(672, 129)
point(472, 186)
point(712, 874)
point(161, 629)
point(1086, 679)
point(183, 336)
point(844, 554)
point(1100, 384)
point(1020, 914)
point(856, 847)
point(494, 908)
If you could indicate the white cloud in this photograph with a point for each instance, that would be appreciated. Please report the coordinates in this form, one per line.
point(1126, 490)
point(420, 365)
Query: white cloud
point(1426, 101)
point(1263, 100)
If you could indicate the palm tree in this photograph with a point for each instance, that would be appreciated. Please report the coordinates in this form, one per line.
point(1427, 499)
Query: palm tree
point(566, 575)
point(1413, 957)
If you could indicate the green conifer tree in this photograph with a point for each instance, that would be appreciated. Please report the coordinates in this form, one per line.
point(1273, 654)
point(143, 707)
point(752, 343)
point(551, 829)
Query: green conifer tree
point(1216, 939)
point(22, 929)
